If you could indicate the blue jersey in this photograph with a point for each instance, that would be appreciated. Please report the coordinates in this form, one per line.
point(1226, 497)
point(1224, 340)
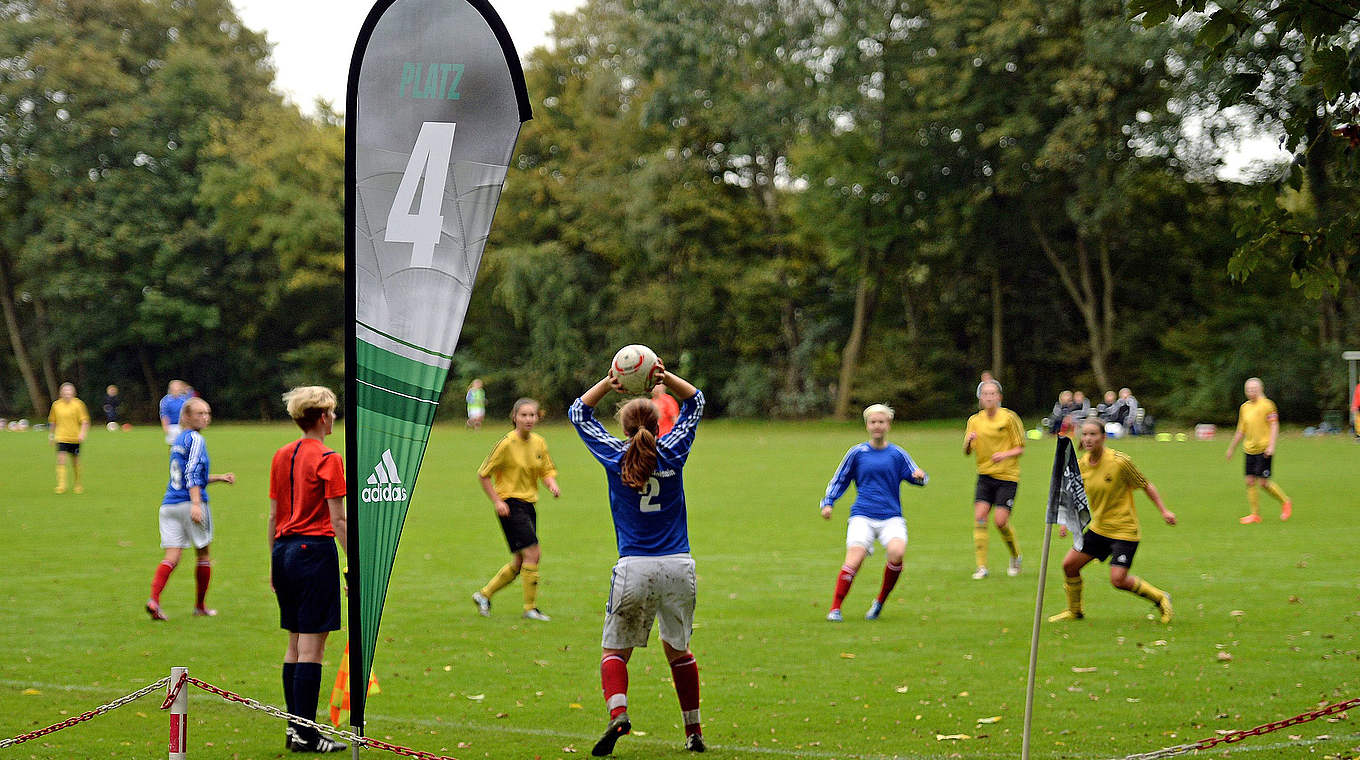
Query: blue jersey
point(878, 476)
point(188, 467)
point(651, 522)
point(170, 407)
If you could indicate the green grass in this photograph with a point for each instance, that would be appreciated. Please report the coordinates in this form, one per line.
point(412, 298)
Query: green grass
point(1281, 598)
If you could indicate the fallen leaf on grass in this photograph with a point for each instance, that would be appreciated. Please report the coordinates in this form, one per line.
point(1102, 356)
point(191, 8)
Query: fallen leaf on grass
point(963, 694)
point(576, 706)
point(476, 697)
point(951, 737)
point(31, 692)
point(1237, 613)
point(447, 668)
point(570, 750)
point(1225, 656)
point(902, 690)
point(847, 656)
point(1083, 670)
point(993, 719)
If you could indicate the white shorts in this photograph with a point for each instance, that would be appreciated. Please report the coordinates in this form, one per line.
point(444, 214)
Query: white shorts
point(178, 531)
point(863, 531)
point(643, 589)
point(171, 434)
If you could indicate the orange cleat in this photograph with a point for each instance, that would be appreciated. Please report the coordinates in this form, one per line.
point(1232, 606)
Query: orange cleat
point(1249, 519)
point(1286, 510)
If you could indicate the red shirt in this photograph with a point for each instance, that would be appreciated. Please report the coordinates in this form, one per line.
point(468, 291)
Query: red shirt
point(667, 409)
point(305, 473)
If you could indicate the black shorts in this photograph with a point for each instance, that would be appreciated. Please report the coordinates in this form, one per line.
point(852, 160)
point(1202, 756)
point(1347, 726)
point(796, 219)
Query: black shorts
point(306, 576)
point(1101, 548)
point(1258, 465)
point(521, 525)
point(998, 493)
point(70, 448)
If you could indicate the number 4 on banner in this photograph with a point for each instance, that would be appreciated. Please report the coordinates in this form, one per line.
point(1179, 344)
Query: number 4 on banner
point(429, 159)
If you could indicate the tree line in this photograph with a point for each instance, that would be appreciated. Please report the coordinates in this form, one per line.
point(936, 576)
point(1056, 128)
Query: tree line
point(802, 206)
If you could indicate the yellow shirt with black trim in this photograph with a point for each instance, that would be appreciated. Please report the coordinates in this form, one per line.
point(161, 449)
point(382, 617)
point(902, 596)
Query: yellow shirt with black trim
point(999, 433)
point(1110, 484)
point(516, 465)
point(66, 418)
point(1253, 421)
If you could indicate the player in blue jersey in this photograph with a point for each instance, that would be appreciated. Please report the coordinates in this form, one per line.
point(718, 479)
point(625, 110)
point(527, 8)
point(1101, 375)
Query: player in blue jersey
point(185, 517)
point(654, 577)
point(170, 407)
point(878, 469)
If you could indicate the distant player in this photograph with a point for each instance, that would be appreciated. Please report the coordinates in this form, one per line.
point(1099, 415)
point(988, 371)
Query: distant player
point(476, 404)
point(175, 395)
point(667, 408)
point(1258, 422)
point(70, 423)
point(306, 518)
point(877, 469)
point(1110, 478)
point(516, 463)
point(111, 403)
point(996, 439)
point(185, 517)
point(654, 577)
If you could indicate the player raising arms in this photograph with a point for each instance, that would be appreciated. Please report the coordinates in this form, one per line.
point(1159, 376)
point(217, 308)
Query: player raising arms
point(997, 439)
point(1110, 478)
point(654, 577)
point(1258, 421)
point(878, 469)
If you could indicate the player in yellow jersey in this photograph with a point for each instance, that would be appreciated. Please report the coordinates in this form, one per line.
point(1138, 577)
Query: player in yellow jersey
point(517, 463)
point(1110, 478)
point(70, 422)
point(1258, 427)
point(997, 439)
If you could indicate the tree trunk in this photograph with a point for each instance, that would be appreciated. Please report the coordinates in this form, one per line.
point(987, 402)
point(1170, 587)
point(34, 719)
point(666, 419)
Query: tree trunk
point(866, 300)
point(997, 356)
point(16, 341)
point(1097, 309)
point(152, 387)
point(49, 364)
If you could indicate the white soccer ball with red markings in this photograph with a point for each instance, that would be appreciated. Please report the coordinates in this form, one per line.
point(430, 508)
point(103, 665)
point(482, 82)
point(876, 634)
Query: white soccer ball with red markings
point(634, 367)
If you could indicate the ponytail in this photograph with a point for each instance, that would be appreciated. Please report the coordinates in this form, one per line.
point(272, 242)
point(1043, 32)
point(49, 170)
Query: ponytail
point(640, 424)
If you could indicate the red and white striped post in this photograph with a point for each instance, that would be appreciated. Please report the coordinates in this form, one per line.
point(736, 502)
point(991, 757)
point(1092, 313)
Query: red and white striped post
point(179, 714)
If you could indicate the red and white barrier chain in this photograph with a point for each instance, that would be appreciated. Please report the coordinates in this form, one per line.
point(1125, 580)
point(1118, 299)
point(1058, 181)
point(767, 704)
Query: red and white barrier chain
point(96, 712)
point(1237, 736)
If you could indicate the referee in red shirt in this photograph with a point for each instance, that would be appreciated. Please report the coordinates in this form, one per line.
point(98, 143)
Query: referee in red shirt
point(306, 516)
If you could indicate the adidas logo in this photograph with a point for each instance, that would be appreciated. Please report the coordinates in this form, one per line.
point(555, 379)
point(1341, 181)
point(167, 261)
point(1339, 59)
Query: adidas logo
point(385, 482)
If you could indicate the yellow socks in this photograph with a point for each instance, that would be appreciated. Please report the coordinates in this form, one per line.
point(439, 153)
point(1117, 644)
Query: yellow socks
point(529, 577)
point(61, 478)
point(75, 470)
point(1275, 491)
point(1073, 588)
point(500, 580)
point(1008, 535)
point(1148, 591)
point(1254, 499)
point(980, 544)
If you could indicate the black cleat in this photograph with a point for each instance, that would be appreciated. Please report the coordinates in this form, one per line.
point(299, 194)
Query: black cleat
point(617, 727)
point(320, 745)
point(695, 743)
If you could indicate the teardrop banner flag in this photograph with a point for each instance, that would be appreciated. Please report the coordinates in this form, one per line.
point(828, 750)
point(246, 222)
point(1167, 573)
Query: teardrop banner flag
point(434, 105)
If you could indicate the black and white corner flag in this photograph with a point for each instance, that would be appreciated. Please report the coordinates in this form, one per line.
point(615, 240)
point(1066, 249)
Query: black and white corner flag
point(1067, 505)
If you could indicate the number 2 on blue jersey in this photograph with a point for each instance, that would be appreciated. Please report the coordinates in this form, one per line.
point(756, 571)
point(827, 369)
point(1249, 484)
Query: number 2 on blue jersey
point(653, 489)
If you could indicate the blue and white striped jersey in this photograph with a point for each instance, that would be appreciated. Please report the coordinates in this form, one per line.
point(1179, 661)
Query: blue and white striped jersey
point(878, 476)
point(188, 467)
point(653, 522)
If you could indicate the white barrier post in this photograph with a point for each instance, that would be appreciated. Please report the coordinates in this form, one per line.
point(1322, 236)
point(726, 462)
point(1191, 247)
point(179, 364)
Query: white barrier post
point(179, 715)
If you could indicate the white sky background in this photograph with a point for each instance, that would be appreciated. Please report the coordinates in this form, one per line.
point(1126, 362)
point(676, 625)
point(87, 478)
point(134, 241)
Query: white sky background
point(313, 41)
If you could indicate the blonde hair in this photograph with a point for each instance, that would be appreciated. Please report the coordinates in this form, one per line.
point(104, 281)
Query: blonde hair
point(192, 403)
point(878, 409)
point(307, 403)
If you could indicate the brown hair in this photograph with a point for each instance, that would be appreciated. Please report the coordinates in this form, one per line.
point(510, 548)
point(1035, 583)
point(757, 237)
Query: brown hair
point(640, 424)
point(514, 410)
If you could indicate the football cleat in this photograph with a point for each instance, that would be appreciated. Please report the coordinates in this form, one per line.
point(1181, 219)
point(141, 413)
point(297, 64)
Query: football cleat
point(874, 610)
point(1164, 607)
point(320, 745)
point(534, 614)
point(205, 612)
point(1014, 568)
point(1249, 519)
point(483, 604)
point(834, 616)
point(695, 743)
point(1286, 509)
point(979, 573)
point(154, 610)
point(1066, 616)
point(618, 726)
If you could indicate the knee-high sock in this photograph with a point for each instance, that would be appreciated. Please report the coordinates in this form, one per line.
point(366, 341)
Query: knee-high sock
point(1147, 591)
point(1254, 498)
point(1008, 535)
point(891, 573)
point(61, 477)
point(843, 581)
point(980, 544)
point(614, 682)
point(1270, 487)
point(158, 581)
point(306, 692)
point(685, 674)
point(75, 471)
point(289, 673)
point(500, 580)
point(529, 577)
point(202, 576)
point(1073, 588)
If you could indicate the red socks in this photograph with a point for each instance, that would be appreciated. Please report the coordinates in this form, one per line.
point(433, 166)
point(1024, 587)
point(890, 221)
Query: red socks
point(163, 571)
point(685, 674)
point(891, 573)
point(614, 680)
point(202, 574)
point(843, 582)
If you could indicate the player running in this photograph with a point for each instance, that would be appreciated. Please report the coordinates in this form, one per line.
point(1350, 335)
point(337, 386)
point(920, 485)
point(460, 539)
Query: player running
point(185, 517)
point(1258, 421)
point(70, 423)
point(1110, 478)
point(878, 469)
point(518, 462)
point(654, 577)
point(997, 439)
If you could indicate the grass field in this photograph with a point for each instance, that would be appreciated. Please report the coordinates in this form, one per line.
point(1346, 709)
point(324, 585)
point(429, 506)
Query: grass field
point(1281, 599)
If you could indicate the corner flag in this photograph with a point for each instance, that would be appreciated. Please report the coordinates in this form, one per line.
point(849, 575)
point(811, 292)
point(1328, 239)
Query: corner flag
point(1067, 505)
point(435, 101)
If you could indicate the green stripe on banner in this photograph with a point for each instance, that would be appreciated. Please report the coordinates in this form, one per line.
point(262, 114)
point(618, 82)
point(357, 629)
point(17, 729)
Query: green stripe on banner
point(381, 362)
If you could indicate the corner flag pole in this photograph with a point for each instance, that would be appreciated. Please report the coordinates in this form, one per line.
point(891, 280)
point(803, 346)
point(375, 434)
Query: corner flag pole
point(1034, 641)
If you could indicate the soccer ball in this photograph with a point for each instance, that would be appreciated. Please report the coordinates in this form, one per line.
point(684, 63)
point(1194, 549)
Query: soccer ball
point(634, 367)
point(112, 427)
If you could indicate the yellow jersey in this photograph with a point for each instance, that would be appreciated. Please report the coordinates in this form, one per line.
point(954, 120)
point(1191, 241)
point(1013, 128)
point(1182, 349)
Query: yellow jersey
point(1110, 484)
point(515, 466)
point(66, 418)
point(998, 433)
point(1253, 422)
